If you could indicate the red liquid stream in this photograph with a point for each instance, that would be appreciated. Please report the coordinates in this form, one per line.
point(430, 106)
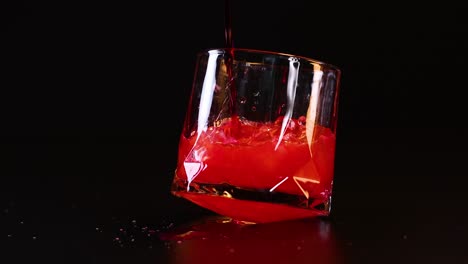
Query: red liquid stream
point(230, 56)
point(228, 24)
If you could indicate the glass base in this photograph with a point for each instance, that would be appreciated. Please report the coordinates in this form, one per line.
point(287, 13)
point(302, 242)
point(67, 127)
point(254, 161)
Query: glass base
point(251, 205)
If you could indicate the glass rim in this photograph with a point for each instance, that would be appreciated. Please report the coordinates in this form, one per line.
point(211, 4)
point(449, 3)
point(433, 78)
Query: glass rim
point(276, 53)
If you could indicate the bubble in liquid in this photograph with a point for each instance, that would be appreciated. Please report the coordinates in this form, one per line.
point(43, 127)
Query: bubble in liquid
point(254, 108)
point(242, 100)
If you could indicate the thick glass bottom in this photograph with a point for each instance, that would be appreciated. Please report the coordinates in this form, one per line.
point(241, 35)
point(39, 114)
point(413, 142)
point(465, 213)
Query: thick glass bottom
point(252, 205)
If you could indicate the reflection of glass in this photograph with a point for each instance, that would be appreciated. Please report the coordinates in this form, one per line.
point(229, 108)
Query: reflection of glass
point(258, 142)
point(218, 240)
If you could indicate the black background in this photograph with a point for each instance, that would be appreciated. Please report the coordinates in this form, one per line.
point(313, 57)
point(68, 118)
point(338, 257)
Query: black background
point(93, 96)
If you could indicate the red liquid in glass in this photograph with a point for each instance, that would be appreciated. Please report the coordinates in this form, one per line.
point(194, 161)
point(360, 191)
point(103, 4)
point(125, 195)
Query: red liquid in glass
point(238, 169)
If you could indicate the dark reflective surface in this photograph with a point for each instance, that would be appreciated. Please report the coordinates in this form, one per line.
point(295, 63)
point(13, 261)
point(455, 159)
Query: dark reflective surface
point(217, 239)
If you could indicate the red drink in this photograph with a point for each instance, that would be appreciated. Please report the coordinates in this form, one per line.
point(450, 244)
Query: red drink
point(238, 169)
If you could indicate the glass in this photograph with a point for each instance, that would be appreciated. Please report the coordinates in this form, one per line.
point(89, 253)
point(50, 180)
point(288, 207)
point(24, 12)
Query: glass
point(258, 142)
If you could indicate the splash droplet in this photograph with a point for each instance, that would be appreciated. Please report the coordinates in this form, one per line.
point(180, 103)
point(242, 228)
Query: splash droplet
point(242, 100)
point(302, 120)
point(254, 108)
